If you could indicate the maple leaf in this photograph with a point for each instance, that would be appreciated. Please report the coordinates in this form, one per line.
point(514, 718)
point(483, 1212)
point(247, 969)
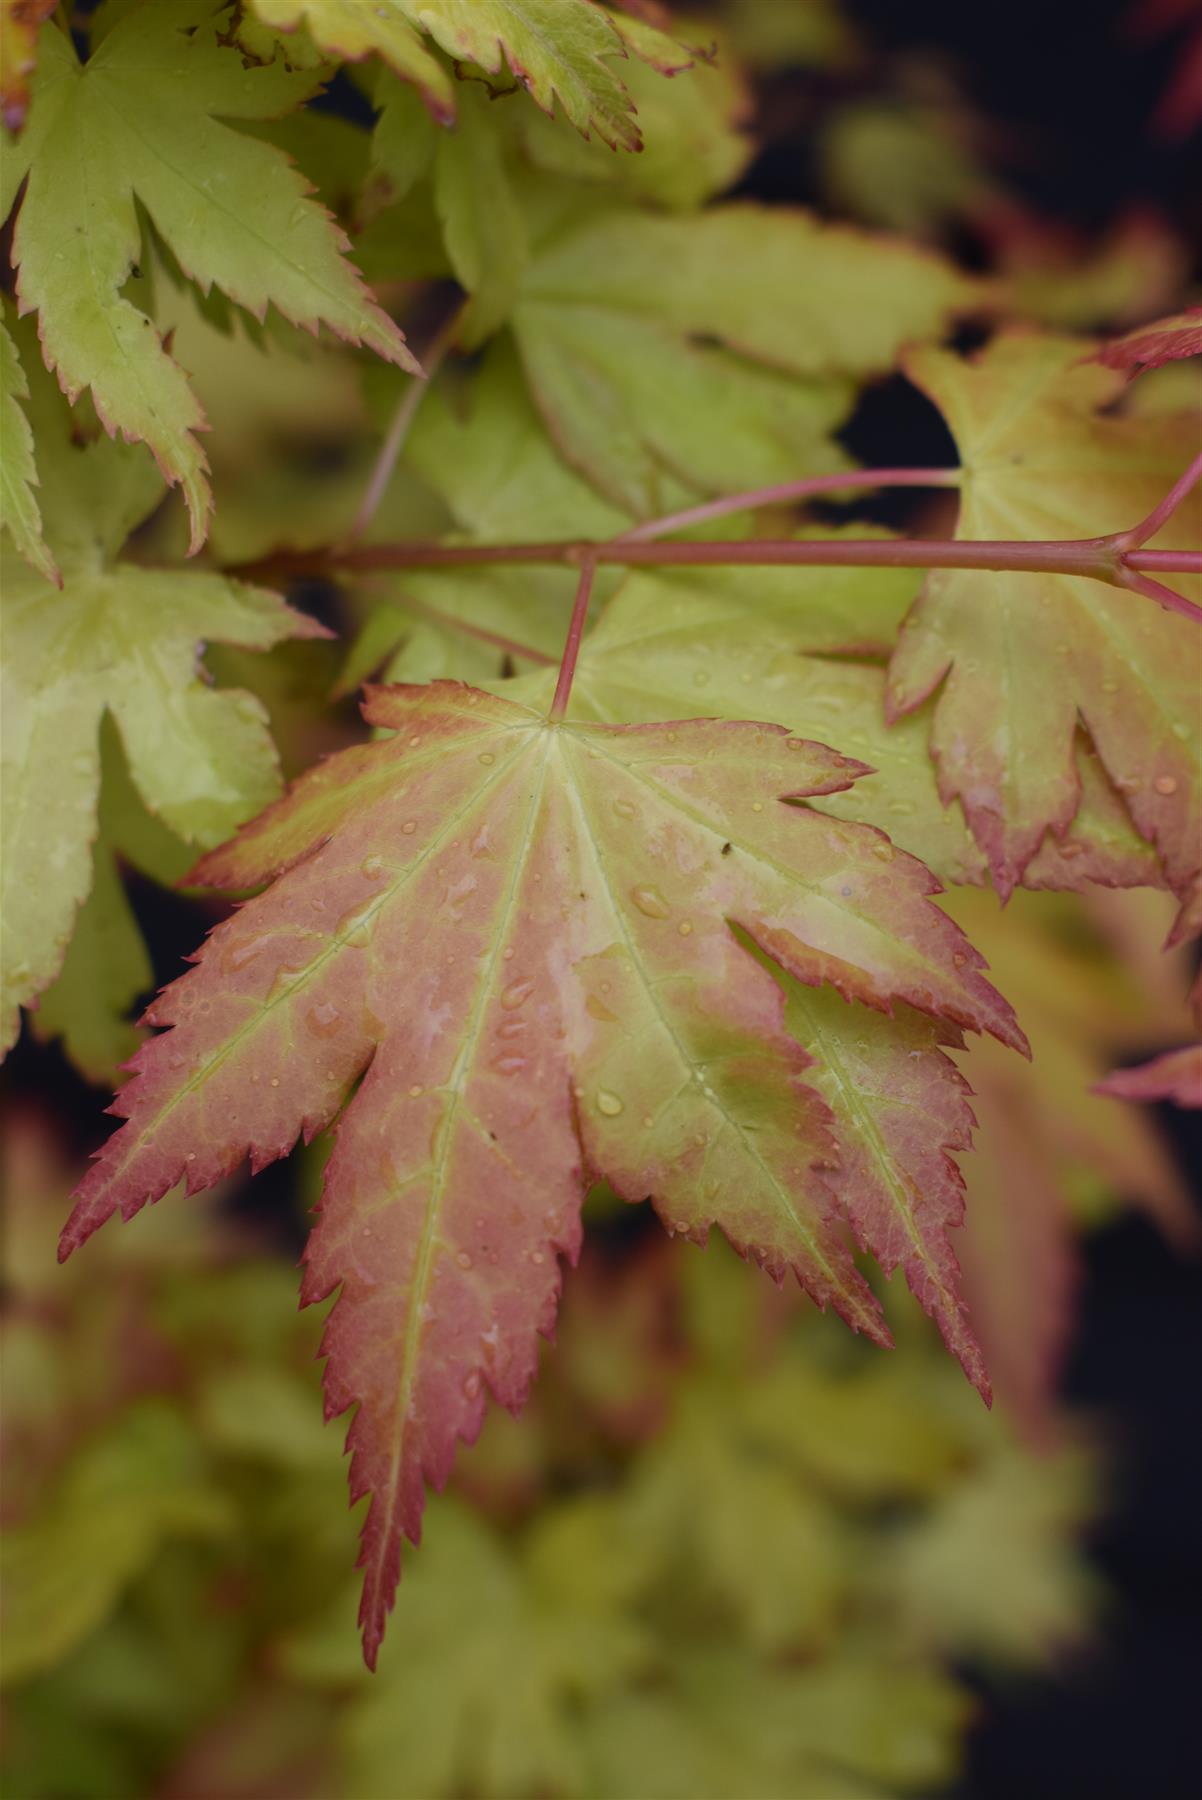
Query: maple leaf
point(19, 512)
point(497, 1649)
point(517, 933)
point(144, 116)
point(784, 643)
point(1020, 659)
point(119, 1500)
point(558, 49)
point(1175, 1076)
point(122, 640)
point(1151, 346)
point(712, 353)
point(1042, 1146)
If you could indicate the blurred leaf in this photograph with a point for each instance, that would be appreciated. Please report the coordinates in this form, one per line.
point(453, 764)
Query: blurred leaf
point(988, 1572)
point(121, 1496)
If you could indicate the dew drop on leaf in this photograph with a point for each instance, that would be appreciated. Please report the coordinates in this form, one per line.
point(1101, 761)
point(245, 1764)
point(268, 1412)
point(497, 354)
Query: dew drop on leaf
point(624, 808)
point(1165, 784)
point(354, 928)
point(238, 955)
point(516, 994)
point(409, 827)
point(608, 1103)
point(372, 867)
point(486, 757)
point(650, 901)
point(323, 1019)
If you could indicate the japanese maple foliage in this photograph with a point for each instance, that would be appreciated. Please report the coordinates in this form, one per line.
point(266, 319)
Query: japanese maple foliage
point(518, 938)
point(636, 889)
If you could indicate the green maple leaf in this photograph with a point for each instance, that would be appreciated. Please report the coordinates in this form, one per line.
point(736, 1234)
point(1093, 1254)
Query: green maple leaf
point(495, 1652)
point(560, 50)
point(141, 124)
point(1020, 659)
point(120, 1499)
point(672, 356)
point(853, 1726)
point(19, 512)
point(524, 928)
point(989, 1572)
point(122, 640)
point(785, 643)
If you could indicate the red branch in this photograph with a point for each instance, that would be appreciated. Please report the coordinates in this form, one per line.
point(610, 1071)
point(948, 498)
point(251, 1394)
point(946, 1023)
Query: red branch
point(1118, 559)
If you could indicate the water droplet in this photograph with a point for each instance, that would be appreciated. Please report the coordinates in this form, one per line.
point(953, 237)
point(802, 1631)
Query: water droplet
point(795, 744)
point(464, 1260)
point(507, 955)
point(323, 1019)
point(757, 806)
point(516, 994)
point(650, 901)
point(901, 806)
point(372, 867)
point(512, 1028)
point(1110, 687)
point(685, 928)
point(471, 1385)
point(624, 808)
point(275, 1081)
point(648, 1121)
point(238, 955)
point(414, 742)
point(608, 1103)
point(959, 958)
point(486, 757)
point(1165, 784)
point(415, 1090)
point(883, 852)
point(354, 927)
point(508, 1065)
point(537, 1257)
point(409, 827)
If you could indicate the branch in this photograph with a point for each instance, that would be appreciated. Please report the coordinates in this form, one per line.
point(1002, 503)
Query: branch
point(1117, 560)
point(785, 492)
point(571, 649)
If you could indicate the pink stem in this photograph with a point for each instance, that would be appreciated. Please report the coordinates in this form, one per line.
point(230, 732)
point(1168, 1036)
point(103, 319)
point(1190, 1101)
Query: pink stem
point(1167, 597)
point(1188, 562)
point(1095, 557)
point(571, 649)
point(1161, 514)
point(448, 622)
point(783, 493)
point(402, 421)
